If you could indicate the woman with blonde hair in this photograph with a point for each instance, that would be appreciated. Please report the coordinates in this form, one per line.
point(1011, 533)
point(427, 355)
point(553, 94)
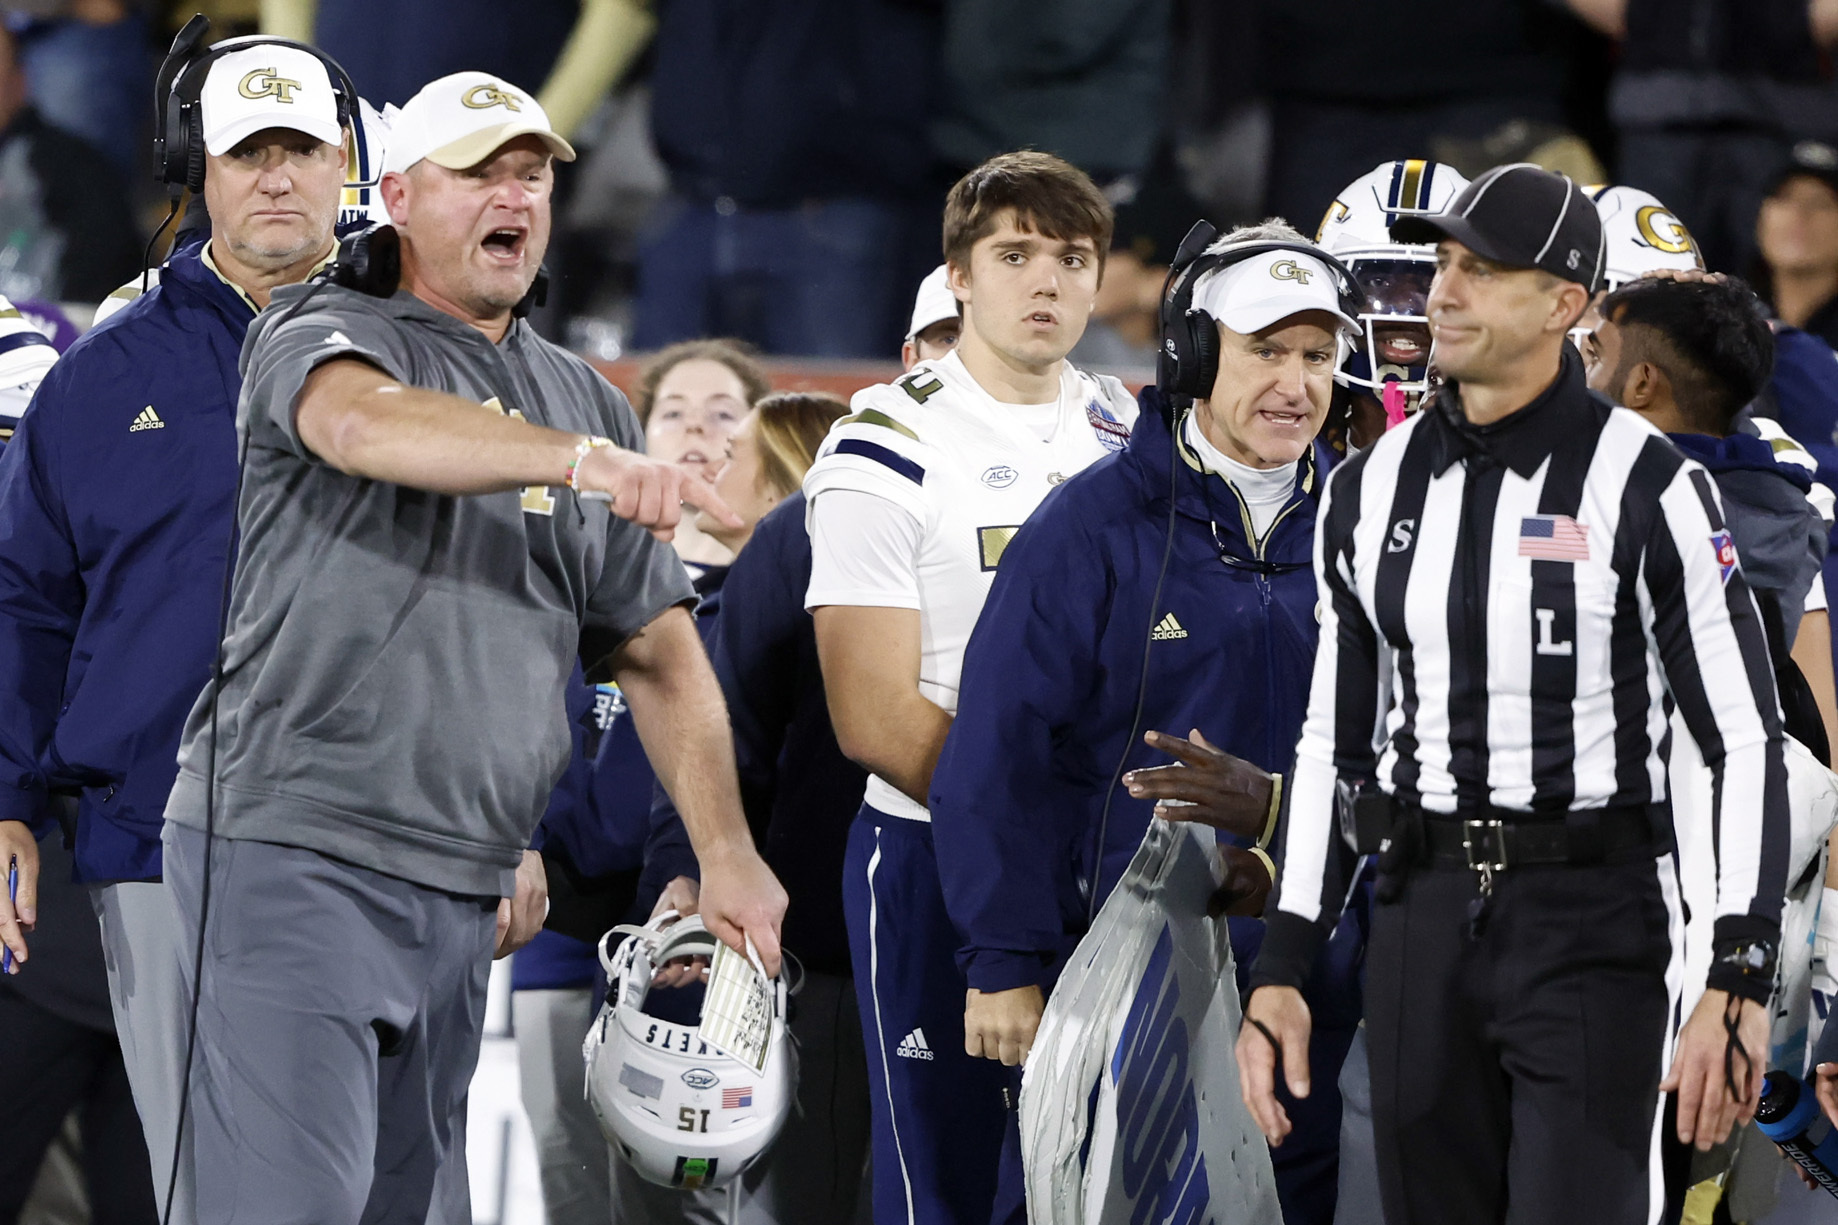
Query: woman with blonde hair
point(800, 794)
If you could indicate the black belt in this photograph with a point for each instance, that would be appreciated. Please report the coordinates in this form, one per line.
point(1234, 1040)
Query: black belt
point(1501, 839)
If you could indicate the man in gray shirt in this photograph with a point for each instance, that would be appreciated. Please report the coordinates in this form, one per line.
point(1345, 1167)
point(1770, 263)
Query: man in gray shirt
point(440, 510)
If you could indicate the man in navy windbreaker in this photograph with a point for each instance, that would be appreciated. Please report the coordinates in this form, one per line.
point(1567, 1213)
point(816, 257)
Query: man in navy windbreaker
point(1047, 725)
point(116, 523)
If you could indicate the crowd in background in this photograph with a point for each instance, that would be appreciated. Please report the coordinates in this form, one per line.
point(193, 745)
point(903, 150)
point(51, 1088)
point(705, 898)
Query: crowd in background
point(773, 170)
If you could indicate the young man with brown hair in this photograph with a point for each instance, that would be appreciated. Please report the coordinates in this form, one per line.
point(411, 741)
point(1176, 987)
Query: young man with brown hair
point(912, 502)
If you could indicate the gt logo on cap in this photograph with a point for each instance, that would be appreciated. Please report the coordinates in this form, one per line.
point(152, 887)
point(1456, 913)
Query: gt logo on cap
point(484, 97)
point(1286, 270)
point(264, 83)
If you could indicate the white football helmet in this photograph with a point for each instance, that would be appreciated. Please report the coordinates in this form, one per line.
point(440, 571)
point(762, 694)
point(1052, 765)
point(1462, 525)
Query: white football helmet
point(1642, 235)
point(362, 201)
point(1395, 276)
point(684, 1113)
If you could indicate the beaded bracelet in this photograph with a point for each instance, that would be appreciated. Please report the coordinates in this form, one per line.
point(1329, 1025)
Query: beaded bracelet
point(592, 442)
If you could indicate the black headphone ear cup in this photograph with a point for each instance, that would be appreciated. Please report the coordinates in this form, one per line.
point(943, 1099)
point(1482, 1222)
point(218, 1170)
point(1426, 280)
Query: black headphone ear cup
point(1202, 364)
point(194, 150)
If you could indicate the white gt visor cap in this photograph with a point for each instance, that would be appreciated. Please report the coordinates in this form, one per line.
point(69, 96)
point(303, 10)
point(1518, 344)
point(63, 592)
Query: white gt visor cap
point(267, 86)
point(460, 120)
point(935, 302)
point(1255, 293)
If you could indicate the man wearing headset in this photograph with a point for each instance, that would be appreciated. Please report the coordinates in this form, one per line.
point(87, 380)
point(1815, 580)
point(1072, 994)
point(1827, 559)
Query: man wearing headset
point(116, 523)
point(435, 522)
point(1048, 755)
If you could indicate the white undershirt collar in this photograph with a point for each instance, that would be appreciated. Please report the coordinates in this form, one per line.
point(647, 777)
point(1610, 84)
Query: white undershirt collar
point(1265, 490)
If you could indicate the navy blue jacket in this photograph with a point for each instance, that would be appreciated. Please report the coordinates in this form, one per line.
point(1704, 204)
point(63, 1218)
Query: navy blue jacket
point(800, 793)
point(116, 518)
point(1051, 678)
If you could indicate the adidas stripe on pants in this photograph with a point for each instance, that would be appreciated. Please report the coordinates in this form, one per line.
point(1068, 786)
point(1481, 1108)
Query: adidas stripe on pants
point(945, 1144)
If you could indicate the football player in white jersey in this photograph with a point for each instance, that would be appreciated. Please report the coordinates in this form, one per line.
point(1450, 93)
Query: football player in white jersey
point(1388, 375)
point(912, 501)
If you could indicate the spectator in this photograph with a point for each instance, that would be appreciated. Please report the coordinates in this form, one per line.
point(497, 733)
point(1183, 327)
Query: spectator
point(690, 397)
point(66, 231)
point(90, 72)
point(1085, 79)
point(608, 860)
point(800, 794)
point(578, 48)
point(802, 199)
point(1796, 234)
point(1473, 70)
point(1708, 98)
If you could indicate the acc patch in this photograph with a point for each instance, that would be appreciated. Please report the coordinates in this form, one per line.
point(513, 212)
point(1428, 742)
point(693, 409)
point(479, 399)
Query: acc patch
point(1725, 546)
point(700, 1078)
point(999, 477)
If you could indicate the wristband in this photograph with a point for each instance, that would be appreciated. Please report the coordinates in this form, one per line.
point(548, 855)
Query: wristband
point(582, 449)
point(1276, 808)
point(1263, 857)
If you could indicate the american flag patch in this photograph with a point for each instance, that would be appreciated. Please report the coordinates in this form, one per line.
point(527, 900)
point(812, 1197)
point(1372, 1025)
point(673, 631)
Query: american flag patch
point(1725, 545)
point(734, 1099)
point(1553, 538)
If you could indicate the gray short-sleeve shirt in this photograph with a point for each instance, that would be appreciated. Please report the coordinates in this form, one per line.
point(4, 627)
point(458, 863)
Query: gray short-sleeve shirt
point(396, 660)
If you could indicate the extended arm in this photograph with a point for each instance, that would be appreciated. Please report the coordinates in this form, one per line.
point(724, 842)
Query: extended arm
point(367, 424)
point(1717, 667)
point(41, 603)
point(1344, 699)
point(677, 708)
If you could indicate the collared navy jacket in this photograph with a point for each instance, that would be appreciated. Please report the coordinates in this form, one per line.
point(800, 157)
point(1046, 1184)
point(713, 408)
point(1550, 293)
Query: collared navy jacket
point(116, 520)
point(1051, 680)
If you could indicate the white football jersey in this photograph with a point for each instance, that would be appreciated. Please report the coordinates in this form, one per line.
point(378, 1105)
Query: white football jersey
point(26, 356)
point(938, 446)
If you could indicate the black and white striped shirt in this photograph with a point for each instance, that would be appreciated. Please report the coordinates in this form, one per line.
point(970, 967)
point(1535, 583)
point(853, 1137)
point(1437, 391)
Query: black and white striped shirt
point(1504, 610)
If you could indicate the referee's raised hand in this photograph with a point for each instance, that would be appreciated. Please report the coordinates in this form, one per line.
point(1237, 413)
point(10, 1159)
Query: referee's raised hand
point(647, 491)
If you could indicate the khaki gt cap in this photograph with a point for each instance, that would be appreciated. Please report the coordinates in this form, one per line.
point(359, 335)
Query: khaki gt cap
point(462, 119)
point(267, 86)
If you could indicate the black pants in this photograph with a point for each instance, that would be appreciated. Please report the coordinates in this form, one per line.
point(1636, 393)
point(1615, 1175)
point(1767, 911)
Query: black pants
point(1515, 1076)
point(50, 1066)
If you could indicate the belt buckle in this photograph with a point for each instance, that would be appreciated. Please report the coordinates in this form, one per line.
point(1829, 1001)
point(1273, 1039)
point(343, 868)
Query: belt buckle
point(1474, 837)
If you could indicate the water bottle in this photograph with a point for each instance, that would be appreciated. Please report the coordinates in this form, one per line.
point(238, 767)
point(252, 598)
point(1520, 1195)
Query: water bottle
point(1789, 1115)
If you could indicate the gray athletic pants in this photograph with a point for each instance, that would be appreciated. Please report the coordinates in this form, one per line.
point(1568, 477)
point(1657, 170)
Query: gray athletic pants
point(338, 1033)
point(144, 949)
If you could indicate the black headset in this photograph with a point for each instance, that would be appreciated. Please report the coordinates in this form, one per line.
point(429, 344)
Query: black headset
point(370, 261)
point(178, 120)
point(1189, 358)
point(1184, 370)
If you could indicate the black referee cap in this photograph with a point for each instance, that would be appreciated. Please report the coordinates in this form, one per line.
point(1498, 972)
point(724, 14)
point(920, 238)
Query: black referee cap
point(1523, 217)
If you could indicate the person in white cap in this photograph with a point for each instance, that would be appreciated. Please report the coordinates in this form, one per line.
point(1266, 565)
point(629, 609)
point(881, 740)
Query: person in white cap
point(1047, 764)
point(441, 512)
point(937, 320)
point(118, 492)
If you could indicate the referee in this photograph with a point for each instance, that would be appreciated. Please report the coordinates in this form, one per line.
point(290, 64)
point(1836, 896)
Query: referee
point(1514, 585)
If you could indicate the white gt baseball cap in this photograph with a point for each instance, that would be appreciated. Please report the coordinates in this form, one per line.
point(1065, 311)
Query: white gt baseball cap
point(935, 302)
point(267, 86)
point(460, 120)
point(1255, 293)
